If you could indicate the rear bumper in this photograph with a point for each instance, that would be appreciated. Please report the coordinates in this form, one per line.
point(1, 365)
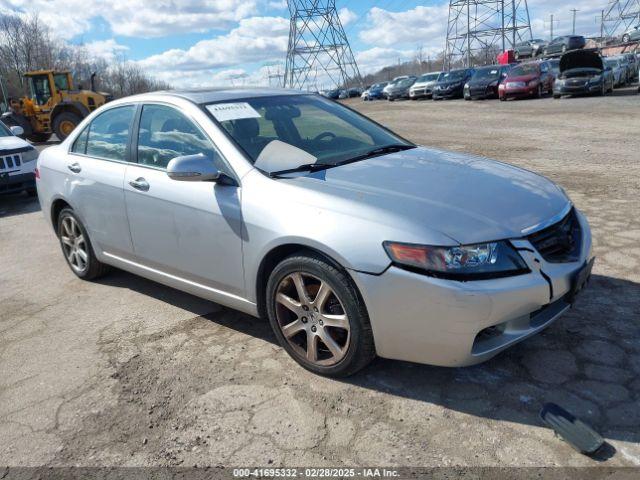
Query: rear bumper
point(17, 183)
point(423, 319)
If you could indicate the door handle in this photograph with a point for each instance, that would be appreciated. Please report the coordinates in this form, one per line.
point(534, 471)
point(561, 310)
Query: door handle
point(140, 184)
point(75, 167)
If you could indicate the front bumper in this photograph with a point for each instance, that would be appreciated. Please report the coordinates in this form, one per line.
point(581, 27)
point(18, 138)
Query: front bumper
point(523, 92)
point(455, 93)
point(582, 89)
point(420, 92)
point(17, 183)
point(423, 319)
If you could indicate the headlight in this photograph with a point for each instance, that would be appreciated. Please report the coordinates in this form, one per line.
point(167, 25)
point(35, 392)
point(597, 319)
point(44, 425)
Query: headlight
point(597, 79)
point(464, 262)
point(29, 155)
point(533, 83)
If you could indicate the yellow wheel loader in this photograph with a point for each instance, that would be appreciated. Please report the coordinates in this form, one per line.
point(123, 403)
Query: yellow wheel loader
point(52, 106)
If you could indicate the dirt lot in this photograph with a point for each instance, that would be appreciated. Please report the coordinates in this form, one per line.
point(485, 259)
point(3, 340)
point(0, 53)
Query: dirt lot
point(127, 372)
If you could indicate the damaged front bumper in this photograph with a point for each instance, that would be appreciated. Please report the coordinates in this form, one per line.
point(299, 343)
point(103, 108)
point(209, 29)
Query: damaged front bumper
point(423, 319)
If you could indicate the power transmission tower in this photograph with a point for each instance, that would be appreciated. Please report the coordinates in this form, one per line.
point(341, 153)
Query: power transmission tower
point(317, 42)
point(619, 15)
point(478, 29)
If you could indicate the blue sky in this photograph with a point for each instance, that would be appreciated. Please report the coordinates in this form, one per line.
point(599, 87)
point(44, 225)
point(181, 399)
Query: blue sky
point(212, 42)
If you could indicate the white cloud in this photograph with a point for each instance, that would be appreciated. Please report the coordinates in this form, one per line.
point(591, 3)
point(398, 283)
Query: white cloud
point(418, 26)
point(372, 60)
point(347, 16)
point(105, 49)
point(256, 39)
point(138, 18)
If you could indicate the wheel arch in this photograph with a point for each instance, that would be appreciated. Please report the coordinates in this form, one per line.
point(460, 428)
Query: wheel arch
point(56, 207)
point(73, 107)
point(274, 257)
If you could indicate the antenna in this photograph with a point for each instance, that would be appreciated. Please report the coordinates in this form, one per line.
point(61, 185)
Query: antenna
point(317, 42)
point(478, 29)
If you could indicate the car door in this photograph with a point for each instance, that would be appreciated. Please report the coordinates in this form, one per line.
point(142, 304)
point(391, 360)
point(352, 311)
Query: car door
point(96, 164)
point(191, 231)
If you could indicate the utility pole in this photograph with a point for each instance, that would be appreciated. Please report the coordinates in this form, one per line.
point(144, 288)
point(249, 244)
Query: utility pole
point(551, 32)
point(477, 28)
point(574, 19)
point(317, 41)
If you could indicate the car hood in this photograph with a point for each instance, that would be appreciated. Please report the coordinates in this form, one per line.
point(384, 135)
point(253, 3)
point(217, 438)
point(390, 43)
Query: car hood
point(425, 84)
point(11, 143)
point(467, 198)
point(484, 82)
point(522, 78)
point(581, 59)
point(449, 84)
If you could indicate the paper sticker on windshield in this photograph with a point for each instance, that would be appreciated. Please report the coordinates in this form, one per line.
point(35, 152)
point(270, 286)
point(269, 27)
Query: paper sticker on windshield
point(493, 72)
point(232, 111)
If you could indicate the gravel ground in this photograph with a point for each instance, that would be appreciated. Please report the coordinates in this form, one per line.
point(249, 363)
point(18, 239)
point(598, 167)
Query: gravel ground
point(127, 372)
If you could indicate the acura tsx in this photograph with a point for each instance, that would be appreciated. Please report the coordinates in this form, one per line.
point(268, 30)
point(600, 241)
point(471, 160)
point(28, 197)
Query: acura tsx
point(351, 240)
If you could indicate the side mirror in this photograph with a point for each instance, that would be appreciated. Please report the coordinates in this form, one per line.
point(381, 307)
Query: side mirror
point(193, 168)
point(17, 130)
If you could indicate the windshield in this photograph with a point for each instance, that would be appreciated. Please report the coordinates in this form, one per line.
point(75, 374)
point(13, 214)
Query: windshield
point(287, 131)
point(524, 69)
point(453, 76)
point(429, 77)
point(405, 83)
point(487, 73)
point(4, 131)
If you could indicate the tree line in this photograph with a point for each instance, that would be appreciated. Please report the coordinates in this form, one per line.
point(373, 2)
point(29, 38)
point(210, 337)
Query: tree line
point(27, 44)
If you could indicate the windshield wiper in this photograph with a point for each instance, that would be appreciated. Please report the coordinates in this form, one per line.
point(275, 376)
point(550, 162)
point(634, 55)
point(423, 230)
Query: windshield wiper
point(307, 167)
point(316, 167)
point(376, 152)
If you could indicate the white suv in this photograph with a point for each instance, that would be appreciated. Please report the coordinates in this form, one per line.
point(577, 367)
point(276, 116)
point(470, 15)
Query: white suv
point(17, 162)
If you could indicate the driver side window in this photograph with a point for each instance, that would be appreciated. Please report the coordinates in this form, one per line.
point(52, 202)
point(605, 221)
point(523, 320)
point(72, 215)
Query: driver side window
point(165, 134)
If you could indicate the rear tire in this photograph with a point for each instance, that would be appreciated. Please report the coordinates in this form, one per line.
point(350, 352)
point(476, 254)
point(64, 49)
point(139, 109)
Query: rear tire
point(350, 336)
point(64, 123)
point(76, 247)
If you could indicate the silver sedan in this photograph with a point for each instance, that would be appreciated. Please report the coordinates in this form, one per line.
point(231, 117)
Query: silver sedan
point(351, 240)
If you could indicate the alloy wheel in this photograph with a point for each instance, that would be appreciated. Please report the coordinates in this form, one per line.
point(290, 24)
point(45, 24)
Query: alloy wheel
point(74, 244)
point(312, 319)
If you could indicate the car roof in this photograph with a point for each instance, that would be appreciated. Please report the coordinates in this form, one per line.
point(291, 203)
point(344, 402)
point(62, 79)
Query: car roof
point(211, 95)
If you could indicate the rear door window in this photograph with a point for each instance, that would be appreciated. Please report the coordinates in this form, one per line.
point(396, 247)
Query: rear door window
point(109, 133)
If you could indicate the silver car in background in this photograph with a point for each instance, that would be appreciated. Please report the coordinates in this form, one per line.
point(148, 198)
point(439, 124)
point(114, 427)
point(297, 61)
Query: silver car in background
point(351, 240)
point(423, 88)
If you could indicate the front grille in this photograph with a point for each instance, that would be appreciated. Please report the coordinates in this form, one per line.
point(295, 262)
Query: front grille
point(560, 242)
point(9, 162)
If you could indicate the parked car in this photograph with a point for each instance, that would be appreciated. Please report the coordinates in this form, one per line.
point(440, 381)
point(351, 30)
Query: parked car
point(333, 94)
point(583, 72)
point(631, 60)
point(354, 92)
point(352, 241)
point(374, 92)
point(531, 79)
point(631, 35)
point(17, 161)
point(423, 87)
point(485, 82)
point(617, 70)
point(451, 84)
point(400, 89)
point(385, 90)
point(529, 48)
point(564, 44)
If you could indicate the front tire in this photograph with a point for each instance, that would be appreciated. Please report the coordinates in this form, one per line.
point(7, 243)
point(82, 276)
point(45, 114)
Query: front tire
point(318, 316)
point(65, 123)
point(76, 247)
